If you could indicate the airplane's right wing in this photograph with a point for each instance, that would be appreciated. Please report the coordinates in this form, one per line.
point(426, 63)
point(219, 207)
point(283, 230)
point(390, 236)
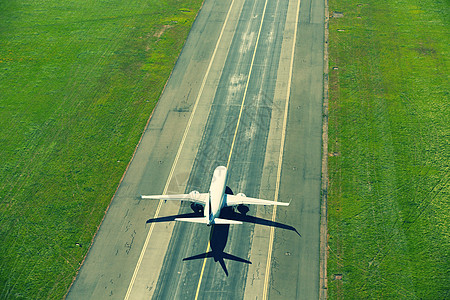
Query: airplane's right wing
point(194, 196)
point(233, 200)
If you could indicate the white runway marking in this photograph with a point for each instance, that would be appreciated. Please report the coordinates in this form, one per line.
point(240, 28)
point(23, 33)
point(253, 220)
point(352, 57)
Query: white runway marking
point(280, 160)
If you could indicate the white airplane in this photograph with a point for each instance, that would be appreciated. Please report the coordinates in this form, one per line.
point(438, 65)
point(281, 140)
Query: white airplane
point(214, 200)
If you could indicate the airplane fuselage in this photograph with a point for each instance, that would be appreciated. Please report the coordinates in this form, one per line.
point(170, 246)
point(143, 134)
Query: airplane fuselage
point(216, 194)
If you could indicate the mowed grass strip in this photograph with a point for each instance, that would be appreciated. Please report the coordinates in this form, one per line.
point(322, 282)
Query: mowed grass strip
point(389, 132)
point(78, 81)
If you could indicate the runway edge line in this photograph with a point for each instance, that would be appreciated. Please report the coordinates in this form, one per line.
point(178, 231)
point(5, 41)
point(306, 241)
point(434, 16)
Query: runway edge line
point(141, 256)
point(323, 292)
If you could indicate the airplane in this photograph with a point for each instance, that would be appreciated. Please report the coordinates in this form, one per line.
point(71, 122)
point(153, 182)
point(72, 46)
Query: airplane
point(214, 200)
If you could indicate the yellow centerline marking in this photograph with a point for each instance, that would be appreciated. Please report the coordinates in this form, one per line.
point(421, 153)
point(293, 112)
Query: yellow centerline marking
point(201, 274)
point(235, 132)
point(280, 160)
point(246, 84)
point(166, 187)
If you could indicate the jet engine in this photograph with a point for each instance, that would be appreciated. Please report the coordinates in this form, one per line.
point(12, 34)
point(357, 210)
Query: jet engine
point(242, 208)
point(197, 208)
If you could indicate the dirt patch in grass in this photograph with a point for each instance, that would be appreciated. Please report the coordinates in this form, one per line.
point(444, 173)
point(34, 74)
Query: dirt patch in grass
point(163, 29)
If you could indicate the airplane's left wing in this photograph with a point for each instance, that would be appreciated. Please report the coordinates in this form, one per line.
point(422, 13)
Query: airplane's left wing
point(233, 200)
point(196, 197)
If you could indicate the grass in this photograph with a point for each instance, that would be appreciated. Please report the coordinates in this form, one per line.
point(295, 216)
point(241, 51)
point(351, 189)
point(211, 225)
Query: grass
point(389, 129)
point(78, 81)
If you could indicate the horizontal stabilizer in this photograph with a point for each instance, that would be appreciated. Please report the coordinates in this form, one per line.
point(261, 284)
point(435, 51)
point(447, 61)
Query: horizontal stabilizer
point(226, 221)
point(204, 220)
point(233, 200)
point(193, 196)
point(193, 220)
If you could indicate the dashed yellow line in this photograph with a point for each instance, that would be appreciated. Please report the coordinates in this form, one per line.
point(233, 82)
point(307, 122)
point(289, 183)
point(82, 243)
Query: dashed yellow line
point(235, 131)
point(201, 273)
point(246, 84)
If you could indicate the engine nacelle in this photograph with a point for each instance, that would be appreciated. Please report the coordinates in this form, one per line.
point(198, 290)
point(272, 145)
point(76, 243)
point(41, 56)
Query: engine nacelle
point(241, 195)
point(194, 194)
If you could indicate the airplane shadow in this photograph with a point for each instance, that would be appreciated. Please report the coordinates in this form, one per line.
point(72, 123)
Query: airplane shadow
point(217, 241)
point(219, 233)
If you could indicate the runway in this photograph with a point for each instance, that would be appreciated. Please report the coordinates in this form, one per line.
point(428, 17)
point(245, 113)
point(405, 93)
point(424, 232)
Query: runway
point(246, 93)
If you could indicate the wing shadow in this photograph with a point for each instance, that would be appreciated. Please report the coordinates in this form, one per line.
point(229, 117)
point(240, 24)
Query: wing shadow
point(241, 215)
point(173, 217)
point(260, 221)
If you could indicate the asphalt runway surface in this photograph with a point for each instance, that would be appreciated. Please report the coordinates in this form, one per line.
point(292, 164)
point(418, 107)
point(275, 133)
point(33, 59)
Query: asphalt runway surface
point(246, 93)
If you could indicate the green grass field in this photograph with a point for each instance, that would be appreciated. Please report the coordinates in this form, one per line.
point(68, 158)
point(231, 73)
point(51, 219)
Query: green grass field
point(389, 144)
point(78, 82)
